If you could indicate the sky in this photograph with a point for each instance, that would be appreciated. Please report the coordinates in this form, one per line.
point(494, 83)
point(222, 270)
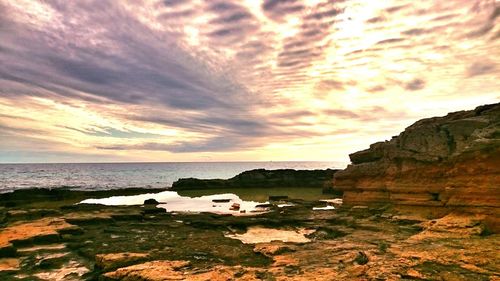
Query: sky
point(248, 80)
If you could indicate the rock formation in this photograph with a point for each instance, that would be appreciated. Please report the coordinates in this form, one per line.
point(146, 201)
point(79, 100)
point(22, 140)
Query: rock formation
point(262, 178)
point(450, 161)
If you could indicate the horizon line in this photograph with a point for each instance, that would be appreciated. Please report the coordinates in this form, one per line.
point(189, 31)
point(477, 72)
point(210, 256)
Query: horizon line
point(164, 162)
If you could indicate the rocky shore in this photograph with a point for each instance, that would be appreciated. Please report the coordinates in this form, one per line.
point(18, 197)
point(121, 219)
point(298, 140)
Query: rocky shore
point(262, 178)
point(48, 237)
point(442, 163)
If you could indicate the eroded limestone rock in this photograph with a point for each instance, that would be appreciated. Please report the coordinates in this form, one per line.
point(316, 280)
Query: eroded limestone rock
point(46, 229)
point(150, 271)
point(113, 260)
point(450, 161)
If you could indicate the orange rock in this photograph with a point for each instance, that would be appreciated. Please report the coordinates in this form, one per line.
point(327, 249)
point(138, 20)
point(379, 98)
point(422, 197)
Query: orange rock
point(151, 271)
point(9, 264)
point(107, 261)
point(451, 161)
point(271, 249)
point(28, 230)
point(453, 225)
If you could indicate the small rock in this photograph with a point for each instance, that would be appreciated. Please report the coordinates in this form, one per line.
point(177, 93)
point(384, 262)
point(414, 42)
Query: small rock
point(361, 258)
point(221, 200)
point(235, 207)
point(151, 201)
point(359, 208)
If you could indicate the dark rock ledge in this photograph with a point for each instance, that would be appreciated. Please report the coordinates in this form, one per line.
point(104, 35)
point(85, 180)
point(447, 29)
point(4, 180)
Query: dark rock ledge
point(262, 178)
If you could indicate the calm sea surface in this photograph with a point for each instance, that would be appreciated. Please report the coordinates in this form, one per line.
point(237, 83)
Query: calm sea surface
point(123, 175)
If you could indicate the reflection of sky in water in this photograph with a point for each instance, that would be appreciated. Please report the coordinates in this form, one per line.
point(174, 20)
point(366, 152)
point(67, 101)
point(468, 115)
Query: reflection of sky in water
point(173, 202)
point(264, 235)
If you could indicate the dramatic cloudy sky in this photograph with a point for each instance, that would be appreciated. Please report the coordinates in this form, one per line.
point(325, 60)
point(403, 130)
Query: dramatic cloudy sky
point(187, 80)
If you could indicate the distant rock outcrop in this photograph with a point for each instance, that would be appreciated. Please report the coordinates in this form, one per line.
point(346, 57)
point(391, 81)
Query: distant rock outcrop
point(262, 178)
point(451, 161)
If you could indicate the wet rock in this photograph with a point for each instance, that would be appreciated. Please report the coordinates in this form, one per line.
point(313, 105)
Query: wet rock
point(221, 200)
point(264, 275)
point(38, 248)
point(39, 231)
point(51, 260)
point(152, 209)
point(325, 233)
point(235, 207)
point(151, 201)
point(262, 178)
point(361, 258)
point(88, 218)
point(7, 250)
point(150, 271)
point(71, 270)
point(271, 249)
point(115, 260)
point(264, 206)
point(9, 264)
point(30, 214)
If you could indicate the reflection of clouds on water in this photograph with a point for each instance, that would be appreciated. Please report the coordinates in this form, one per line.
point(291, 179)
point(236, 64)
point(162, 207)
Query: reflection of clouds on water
point(173, 202)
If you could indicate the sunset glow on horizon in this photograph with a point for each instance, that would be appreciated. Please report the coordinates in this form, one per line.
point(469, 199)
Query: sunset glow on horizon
point(273, 80)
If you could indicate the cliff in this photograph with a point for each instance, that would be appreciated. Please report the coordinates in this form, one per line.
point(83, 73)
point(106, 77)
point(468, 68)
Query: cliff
point(450, 161)
point(262, 178)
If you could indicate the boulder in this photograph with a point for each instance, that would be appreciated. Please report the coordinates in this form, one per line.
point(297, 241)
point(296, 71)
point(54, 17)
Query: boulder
point(151, 201)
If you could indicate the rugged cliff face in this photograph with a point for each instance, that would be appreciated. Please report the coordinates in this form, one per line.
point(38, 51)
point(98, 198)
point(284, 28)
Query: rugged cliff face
point(451, 161)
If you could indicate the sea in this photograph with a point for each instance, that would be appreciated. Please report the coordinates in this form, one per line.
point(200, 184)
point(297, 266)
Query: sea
point(105, 176)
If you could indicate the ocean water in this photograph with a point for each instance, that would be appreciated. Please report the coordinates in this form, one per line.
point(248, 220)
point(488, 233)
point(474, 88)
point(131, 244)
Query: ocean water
point(99, 176)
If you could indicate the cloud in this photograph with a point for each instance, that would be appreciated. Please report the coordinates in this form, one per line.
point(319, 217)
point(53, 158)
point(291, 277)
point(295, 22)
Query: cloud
point(223, 76)
point(211, 145)
point(415, 84)
point(277, 9)
point(394, 9)
point(376, 19)
point(341, 113)
point(330, 85)
point(480, 68)
point(378, 88)
point(390, 41)
point(414, 31)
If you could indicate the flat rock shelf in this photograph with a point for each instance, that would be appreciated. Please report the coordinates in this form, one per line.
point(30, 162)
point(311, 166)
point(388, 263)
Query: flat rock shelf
point(50, 236)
